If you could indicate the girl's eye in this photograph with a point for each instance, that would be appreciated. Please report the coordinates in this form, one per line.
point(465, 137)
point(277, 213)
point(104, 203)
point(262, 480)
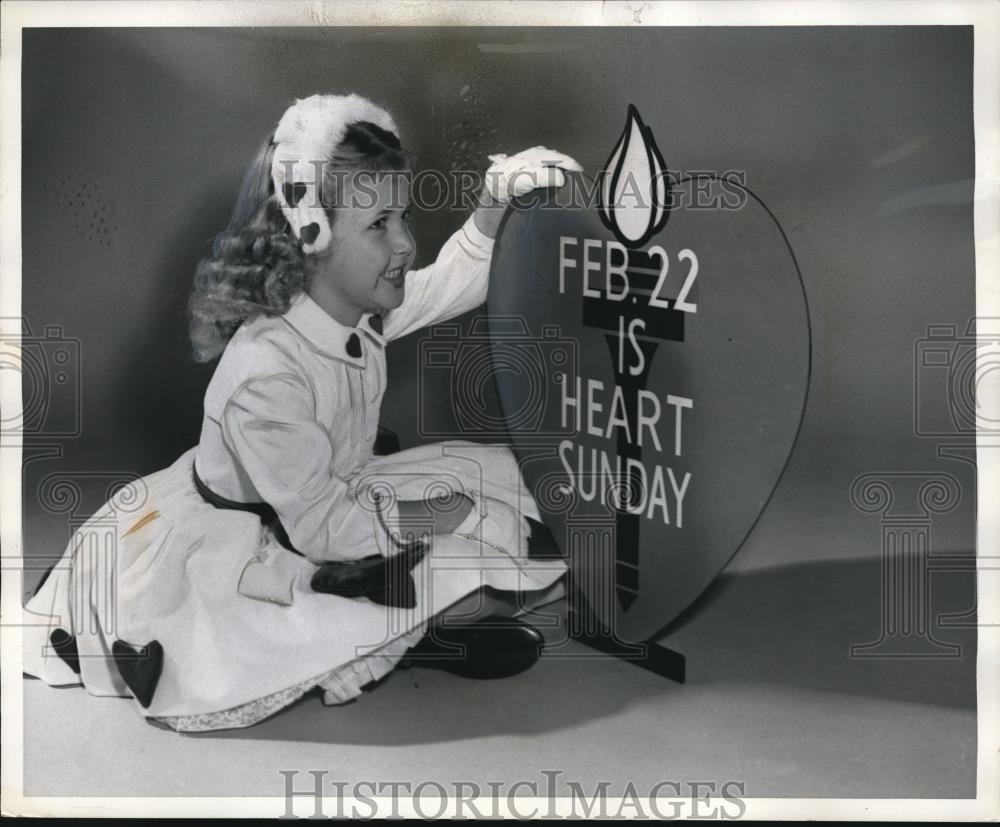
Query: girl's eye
point(406, 215)
point(379, 224)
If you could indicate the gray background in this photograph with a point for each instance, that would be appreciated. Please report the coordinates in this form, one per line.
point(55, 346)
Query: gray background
point(859, 139)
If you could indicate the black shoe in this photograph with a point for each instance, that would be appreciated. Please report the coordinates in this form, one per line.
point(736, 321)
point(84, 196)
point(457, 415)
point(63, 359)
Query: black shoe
point(494, 647)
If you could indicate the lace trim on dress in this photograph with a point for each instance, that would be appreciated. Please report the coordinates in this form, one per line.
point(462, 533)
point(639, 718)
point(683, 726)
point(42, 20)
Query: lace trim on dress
point(339, 686)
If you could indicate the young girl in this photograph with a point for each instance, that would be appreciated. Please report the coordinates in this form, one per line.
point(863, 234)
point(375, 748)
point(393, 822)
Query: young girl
point(281, 553)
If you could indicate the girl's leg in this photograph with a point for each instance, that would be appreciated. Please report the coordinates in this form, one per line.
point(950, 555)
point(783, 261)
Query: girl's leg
point(491, 651)
point(530, 601)
point(476, 606)
point(488, 602)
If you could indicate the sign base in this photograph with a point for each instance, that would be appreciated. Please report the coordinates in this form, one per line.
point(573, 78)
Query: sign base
point(649, 654)
point(586, 627)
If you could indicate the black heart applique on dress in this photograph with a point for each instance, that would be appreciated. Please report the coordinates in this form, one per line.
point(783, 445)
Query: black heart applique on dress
point(354, 346)
point(65, 645)
point(139, 668)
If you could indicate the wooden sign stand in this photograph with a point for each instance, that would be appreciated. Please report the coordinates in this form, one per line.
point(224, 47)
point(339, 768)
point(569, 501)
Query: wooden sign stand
point(587, 628)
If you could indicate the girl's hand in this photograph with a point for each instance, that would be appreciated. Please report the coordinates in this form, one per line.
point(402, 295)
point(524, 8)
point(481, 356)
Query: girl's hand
point(441, 515)
point(516, 175)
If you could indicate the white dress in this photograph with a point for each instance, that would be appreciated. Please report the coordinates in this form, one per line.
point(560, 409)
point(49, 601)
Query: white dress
point(200, 614)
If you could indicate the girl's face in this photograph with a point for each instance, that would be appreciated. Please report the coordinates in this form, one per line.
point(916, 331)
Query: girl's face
point(371, 248)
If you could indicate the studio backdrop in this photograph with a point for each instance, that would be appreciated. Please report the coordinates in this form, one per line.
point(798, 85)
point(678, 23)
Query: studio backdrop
point(854, 251)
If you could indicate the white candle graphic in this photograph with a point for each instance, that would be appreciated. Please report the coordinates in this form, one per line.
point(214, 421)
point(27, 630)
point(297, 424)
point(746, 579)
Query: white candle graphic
point(634, 185)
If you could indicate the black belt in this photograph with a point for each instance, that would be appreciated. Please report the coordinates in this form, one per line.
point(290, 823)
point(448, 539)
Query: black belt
point(383, 580)
point(268, 516)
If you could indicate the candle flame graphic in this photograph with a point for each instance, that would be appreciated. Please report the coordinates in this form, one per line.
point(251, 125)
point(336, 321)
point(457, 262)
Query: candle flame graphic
point(634, 185)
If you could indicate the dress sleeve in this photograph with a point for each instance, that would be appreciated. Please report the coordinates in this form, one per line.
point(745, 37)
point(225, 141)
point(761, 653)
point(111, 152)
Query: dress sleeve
point(457, 281)
point(270, 425)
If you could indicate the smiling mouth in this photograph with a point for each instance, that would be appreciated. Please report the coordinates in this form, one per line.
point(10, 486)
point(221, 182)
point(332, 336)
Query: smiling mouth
point(396, 276)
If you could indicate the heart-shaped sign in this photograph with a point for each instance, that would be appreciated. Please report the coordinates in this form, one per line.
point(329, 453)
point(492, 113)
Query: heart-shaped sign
point(653, 395)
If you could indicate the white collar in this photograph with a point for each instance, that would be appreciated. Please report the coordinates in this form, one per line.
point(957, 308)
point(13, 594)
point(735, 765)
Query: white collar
point(329, 336)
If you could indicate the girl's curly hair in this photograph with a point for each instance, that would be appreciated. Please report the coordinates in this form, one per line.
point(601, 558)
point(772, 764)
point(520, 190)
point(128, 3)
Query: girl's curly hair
point(257, 266)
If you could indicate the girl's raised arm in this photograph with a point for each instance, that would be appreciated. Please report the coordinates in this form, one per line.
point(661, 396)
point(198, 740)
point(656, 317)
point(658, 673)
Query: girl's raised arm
point(455, 282)
point(458, 279)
